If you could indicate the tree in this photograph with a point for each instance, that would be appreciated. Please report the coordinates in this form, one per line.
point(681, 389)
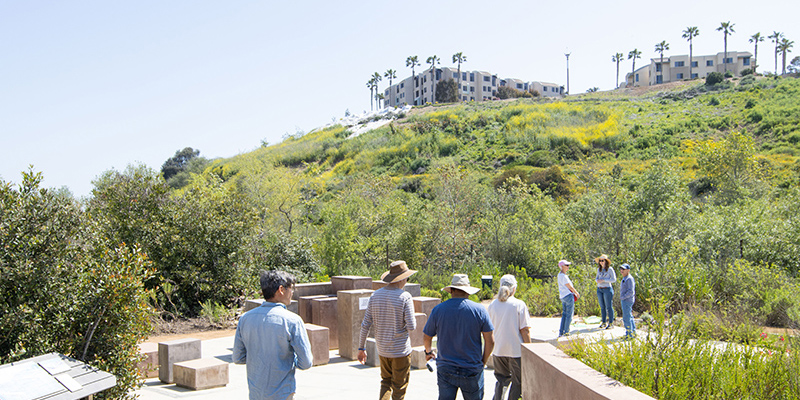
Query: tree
point(446, 91)
point(390, 74)
point(776, 38)
point(730, 165)
point(794, 66)
point(433, 60)
point(661, 48)
point(785, 47)
point(690, 33)
point(633, 55)
point(381, 100)
point(413, 61)
point(755, 39)
point(459, 58)
point(727, 29)
point(617, 58)
point(178, 162)
point(376, 77)
point(371, 86)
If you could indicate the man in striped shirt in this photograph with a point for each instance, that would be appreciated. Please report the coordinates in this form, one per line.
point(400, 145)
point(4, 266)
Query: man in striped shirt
point(391, 315)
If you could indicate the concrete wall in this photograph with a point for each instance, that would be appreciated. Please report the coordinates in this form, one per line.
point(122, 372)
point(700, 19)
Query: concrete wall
point(549, 374)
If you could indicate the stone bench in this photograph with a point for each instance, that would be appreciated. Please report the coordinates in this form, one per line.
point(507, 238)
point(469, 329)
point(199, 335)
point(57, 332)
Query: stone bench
point(176, 351)
point(416, 335)
point(373, 360)
point(148, 367)
point(204, 373)
point(425, 304)
point(418, 357)
point(324, 313)
point(350, 282)
point(255, 303)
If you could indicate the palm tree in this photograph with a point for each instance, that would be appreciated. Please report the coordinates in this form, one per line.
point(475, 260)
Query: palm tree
point(380, 98)
point(690, 33)
point(617, 58)
point(433, 60)
point(776, 38)
point(633, 55)
point(661, 48)
point(371, 86)
point(390, 74)
point(755, 39)
point(727, 29)
point(413, 61)
point(376, 77)
point(459, 58)
point(784, 48)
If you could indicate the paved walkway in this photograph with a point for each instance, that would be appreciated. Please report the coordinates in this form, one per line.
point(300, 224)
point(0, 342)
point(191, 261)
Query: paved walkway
point(345, 379)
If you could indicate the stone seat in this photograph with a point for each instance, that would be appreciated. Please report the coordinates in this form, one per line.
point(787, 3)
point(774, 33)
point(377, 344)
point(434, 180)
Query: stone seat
point(204, 373)
point(176, 351)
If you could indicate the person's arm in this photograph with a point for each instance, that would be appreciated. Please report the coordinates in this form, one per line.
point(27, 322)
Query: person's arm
point(427, 341)
point(488, 345)
point(302, 347)
point(526, 334)
point(239, 351)
point(408, 310)
point(572, 289)
point(613, 276)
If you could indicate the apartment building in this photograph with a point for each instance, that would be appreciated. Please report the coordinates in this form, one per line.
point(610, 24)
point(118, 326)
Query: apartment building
point(475, 85)
point(676, 68)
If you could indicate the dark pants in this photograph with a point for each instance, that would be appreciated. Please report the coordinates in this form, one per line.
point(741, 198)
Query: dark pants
point(450, 379)
point(394, 377)
point(508, 370)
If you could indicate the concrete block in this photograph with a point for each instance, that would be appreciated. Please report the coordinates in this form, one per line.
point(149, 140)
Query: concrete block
point(201, 374)
point(148, 367)
point(425, 304)
point(312, 289)
point(320, 347)
point(351, 308)
point(418, 357)
point(252, 303)
point(176, 351)
point(373, 360)
point(416, 335)
point(548, 373)
point(293, 306)
point(414, 289)
point(304, 307)
point(323, 313)
point(350, 282)
point(378, 284)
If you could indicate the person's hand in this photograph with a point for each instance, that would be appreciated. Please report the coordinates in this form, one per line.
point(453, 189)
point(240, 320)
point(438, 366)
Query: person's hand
point(362, 356)
point(599, 281)
point(577, 296)
point(430, 356)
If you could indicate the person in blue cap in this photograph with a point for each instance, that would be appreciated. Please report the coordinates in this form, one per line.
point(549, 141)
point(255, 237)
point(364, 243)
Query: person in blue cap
point(627, 296)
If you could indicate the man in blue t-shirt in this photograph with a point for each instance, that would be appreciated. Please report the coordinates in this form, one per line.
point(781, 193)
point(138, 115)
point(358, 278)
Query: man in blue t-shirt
point(459, 323)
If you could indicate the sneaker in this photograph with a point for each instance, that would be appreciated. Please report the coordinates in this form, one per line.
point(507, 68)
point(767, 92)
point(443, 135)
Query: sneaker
point(603, 325)
point(609, 326)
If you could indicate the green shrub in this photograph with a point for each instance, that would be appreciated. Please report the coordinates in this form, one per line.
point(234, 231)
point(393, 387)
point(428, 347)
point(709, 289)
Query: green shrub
point(713, 101)
point(714, 78)
point(747, 72)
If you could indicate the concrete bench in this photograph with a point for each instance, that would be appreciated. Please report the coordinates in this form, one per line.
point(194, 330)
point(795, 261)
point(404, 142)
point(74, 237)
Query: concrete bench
point(176, 351)
point(350, 282)
point(373, 360)
point(148, 367)
point(425, 304)
point(204, 373)
point(320, 348)
point(416, 335)
point(418, 357)
point(324, 313)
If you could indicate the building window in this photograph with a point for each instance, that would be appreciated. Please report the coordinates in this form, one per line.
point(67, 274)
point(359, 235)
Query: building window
point(463, 76)
point(402, 85)
point(694, 76)
point(679, 63)
point(637, 77)
point(464, 98)
point(658, 67)
point(438, 74)
point(746, 61)
point(472, 98)
point(487, 79)
point(679, 76)
point(424, 90)
point(455, 75)
point(472, 77)
point(729, 60)
point(424, 78)
point(709, 63)
point(659, 79)
point(472, 89)
point(694, 64)
point(519, 86)
point(544, 89)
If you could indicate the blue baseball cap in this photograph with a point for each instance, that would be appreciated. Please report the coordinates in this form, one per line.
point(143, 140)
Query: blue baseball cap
point(624, 266)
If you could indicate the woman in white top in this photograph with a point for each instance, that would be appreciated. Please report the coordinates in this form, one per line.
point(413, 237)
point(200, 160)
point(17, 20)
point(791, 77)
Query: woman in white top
point(509, 316)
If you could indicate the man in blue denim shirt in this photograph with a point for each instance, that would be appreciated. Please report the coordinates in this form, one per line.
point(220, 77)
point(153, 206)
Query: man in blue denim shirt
point(272, 341)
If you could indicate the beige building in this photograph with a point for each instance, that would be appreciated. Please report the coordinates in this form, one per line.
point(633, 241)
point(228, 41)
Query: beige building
point(475, 85)
point(676, 68)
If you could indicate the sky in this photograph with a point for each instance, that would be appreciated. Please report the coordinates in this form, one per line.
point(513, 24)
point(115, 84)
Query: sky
point(90, 86)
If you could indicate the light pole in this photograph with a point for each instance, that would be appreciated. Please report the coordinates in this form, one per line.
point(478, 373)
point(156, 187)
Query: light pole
point(567, 55)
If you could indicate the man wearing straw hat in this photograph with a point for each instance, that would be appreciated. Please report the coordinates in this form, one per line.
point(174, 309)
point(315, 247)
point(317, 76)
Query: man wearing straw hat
point(390, 313)
point(459, 323)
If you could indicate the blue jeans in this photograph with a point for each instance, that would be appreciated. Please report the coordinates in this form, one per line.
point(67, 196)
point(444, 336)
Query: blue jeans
point(450, 379)
point(568, 308)
point(605, 295)
point(627, 316)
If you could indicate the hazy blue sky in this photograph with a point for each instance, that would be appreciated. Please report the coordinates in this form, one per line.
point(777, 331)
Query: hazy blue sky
point(87, 86)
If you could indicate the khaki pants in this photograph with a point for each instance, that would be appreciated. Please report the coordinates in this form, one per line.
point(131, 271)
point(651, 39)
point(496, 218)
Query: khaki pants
point(394, 377)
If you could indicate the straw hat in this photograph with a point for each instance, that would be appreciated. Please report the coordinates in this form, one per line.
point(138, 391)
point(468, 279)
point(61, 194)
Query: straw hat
point(398, 271)
point(601, 258)
point(461, 282)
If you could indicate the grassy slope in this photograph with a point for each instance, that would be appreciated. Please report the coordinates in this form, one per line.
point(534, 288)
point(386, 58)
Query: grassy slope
point(625, 127)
